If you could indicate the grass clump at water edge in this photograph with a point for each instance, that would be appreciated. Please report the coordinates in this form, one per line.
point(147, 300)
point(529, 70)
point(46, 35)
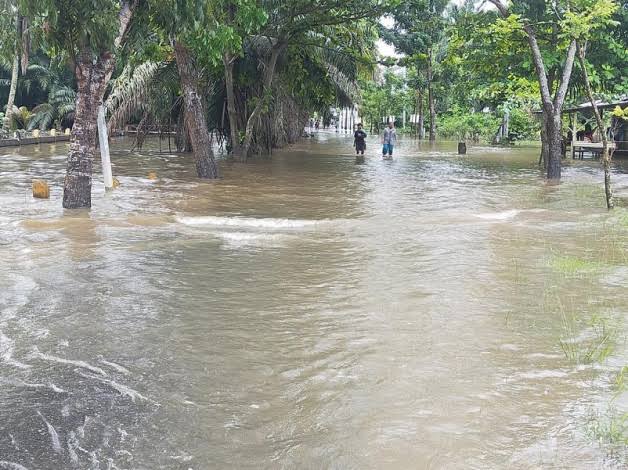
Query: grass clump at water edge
point(573, 265)
point(592, 344)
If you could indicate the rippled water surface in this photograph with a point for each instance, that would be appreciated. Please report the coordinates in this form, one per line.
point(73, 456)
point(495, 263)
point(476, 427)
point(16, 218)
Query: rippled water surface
point(431, 312)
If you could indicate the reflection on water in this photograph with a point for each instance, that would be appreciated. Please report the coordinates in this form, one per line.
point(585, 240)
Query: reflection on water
point(308, 312)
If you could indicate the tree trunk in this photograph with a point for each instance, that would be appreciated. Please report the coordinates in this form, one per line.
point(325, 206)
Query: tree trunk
point(430, 92)
point(269, 73)
point(554, 137)
point(92, 75)
point(6, 124)
point(195, 119)
point(543, 157)
point(551, 136)
point(606, 155)
point(91, 79)
point(421, 124)
point(228, 61)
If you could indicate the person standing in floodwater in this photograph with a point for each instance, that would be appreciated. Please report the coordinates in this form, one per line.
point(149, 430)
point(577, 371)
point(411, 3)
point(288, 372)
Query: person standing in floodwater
point(388, 141)
point(359, 141)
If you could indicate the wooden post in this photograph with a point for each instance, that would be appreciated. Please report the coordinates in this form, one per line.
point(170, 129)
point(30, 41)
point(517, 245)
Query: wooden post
point(506, 124)
point(574, 123)
point(103, 140)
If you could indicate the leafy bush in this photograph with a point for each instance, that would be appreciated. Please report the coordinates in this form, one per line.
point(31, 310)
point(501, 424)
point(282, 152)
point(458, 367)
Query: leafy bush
point(523, 125)
point(483, 126)
point(473, 126)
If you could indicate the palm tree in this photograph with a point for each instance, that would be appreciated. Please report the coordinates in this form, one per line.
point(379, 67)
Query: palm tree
point(60, 106)
point(9, 27)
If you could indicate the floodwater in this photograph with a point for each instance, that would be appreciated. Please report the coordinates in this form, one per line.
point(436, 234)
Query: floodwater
point(430, 312)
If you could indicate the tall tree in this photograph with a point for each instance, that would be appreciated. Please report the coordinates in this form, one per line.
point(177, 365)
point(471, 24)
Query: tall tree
point(417, 31)
point(13, 39)
point(526, 17)
point(91, 37)
point(235, 20)
point(584, 30)
point(298, 22)
point(187, 25)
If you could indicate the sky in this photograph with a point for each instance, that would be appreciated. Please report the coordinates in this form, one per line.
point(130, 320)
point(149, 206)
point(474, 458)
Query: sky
point(386, 50)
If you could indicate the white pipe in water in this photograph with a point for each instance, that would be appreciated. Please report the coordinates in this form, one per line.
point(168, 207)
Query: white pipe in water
point(103, 140)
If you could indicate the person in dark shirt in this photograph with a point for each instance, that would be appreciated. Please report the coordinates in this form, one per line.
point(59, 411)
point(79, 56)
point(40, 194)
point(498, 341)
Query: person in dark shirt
point(359, 141)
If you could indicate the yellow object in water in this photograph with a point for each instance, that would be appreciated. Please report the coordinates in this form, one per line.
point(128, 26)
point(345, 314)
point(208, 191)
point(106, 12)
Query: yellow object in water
point(152, 175)
point(116, 182)
point(41, 190)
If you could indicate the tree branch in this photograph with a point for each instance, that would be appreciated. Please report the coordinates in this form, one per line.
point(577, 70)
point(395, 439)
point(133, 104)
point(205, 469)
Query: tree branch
point(127, 8)
point(537, 58)
point(564, 81)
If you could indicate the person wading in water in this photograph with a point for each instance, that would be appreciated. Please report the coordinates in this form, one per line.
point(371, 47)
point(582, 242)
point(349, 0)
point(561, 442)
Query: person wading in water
point(388, 141)
point(359, 143)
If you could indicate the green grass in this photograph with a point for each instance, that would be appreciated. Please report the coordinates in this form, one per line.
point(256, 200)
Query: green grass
point(572, 265)
point(610, 428)
point(588, 345)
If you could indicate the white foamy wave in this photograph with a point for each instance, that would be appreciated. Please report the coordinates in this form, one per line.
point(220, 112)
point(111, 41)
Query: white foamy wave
point(115, 366)
point(54, 436)
point(82, 364)
point(6, 352)
point(248, 222)
point(509, 214)
point(120, 388)
point(505, 215)
point(5, 465)
point(18, 383)
point(243, 239)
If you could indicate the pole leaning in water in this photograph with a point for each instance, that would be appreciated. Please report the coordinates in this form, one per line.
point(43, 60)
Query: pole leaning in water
point(103, 140)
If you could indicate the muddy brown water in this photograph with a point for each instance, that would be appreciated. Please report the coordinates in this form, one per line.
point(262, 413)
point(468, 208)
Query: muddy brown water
point(431, 312)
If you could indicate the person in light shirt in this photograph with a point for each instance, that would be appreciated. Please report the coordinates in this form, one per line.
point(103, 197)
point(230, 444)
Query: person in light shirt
point(389, 140)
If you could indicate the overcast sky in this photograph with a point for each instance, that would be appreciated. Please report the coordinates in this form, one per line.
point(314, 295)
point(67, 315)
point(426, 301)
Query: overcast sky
point(388, 50)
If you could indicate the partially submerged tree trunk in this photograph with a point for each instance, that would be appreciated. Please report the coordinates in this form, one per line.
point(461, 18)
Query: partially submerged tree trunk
point(553, 144)
point(92, 76)
point(551, 136)
point(262, 102)
point(421, 113)
point(430, 92)
point(228, 61)
point(195, 119)
point(606, 153)
point(6, 124)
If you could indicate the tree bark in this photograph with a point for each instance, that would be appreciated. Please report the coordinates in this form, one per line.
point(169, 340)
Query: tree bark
point(269, 73)
point(430, 98)
point(421, 124)
point(92, 75)
point(195, 119)
point(553, 133)
point(543, 158)
point(6, 124)
point(91, 79)
point(552, 108)
point(606, 154)
point(228, 61)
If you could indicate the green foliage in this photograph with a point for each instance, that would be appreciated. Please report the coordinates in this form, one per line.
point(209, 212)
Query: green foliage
point(58, 110)
point(592, 345)
point(523, 125)
point(620, 113)
point(20, 118)
point(473, 126)
point(572, 266)
point(75, 25)
point(227, 24)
